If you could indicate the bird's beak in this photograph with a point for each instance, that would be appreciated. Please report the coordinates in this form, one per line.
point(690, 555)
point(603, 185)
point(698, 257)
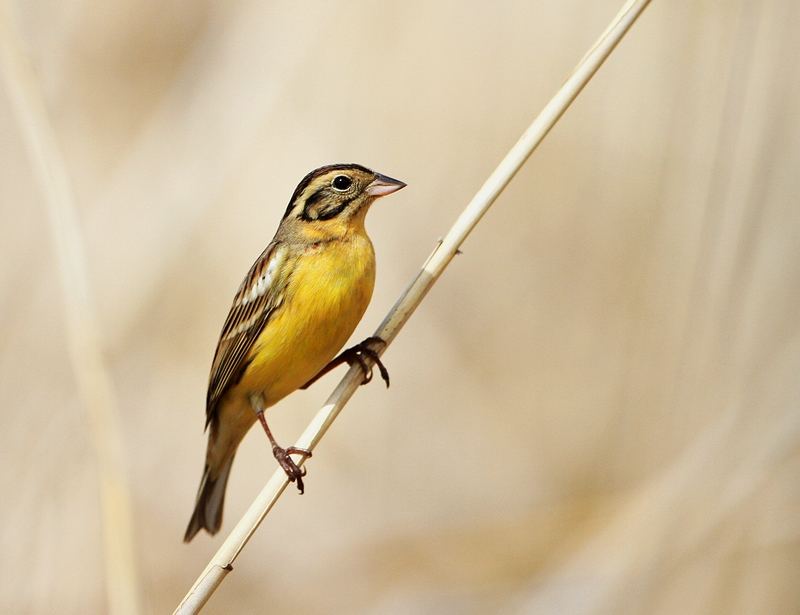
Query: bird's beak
point(383, 185)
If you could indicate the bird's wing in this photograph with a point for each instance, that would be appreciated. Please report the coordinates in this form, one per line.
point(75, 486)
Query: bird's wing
point(258, 297)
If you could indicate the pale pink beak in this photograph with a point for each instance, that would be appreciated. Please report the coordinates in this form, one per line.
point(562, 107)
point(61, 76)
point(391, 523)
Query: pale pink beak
point(383, 185)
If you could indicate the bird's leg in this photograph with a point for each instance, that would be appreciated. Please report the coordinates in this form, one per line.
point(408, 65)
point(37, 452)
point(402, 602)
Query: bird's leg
point(282, 455)
point(356, 354)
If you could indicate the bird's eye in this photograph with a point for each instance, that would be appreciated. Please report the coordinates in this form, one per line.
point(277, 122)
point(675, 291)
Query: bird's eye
point(341, 183)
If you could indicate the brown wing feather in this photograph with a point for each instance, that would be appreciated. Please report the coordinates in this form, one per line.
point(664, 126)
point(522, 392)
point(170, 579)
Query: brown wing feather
point(248, 316)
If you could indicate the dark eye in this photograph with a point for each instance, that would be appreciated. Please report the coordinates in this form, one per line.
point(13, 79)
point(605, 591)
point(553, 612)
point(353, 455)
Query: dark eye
point(341, 183)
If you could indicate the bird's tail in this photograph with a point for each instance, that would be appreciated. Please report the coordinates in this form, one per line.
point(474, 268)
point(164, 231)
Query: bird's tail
point(210, 500)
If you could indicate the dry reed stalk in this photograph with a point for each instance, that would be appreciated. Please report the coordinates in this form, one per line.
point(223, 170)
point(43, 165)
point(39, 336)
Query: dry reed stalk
point(94, 382)
point(223, 559)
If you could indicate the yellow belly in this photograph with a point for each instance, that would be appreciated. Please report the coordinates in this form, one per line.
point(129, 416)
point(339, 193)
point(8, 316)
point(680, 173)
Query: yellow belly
point(328, 293)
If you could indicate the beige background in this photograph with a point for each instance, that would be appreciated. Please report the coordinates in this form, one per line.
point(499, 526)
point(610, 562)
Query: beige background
point(595, 411)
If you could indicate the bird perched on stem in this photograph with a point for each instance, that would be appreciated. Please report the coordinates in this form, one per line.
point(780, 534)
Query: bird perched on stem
point(296, 307)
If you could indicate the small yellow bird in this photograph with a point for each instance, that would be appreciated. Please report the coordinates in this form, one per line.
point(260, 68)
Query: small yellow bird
point(297, 306)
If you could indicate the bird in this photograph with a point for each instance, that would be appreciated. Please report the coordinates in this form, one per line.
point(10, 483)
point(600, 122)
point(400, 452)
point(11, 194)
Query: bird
point(295, 309)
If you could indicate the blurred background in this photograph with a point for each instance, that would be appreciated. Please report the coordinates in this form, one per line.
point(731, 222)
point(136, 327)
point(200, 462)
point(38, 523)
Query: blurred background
point(596, 409)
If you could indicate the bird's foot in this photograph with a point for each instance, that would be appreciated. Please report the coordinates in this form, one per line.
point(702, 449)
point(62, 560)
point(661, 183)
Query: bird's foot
point(356, 354)
point(294, 472)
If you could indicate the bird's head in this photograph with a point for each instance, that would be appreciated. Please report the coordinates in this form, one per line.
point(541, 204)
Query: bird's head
point(334, 199)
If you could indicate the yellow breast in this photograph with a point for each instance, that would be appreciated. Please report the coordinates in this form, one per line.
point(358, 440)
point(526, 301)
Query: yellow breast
point(329, 290)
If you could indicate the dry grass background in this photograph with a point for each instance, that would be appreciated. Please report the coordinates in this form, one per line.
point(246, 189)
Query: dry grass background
point(595, 411)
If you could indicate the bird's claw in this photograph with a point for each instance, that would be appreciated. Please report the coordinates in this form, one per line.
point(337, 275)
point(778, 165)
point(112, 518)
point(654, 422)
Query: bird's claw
point(356, 354)
point(294, 472)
